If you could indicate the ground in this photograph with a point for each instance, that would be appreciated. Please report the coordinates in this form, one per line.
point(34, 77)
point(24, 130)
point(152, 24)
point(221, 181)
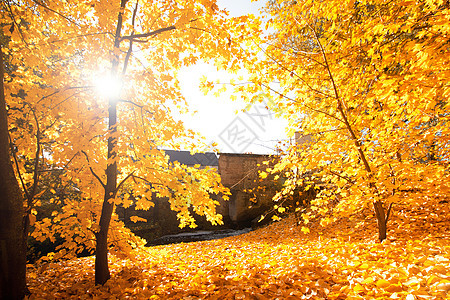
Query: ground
point(280, 261)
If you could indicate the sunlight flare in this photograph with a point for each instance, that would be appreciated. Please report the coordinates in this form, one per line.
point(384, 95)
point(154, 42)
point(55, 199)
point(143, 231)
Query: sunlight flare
point(108, 86)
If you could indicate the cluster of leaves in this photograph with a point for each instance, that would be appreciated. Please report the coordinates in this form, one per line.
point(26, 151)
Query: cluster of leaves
point(59, 123)
point(365, 84)
point(340, 261)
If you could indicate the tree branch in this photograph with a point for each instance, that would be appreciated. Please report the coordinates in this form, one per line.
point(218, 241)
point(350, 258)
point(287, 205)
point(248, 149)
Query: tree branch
point(340, 106)
point(11, 14)
point(63, 90)
point(122, 182)
point(131, 102)
point(130, 47)
point(148, 34)
point(36, 160)
point(294, 74)
point(92, 171)
point(308, 107)
point(388, 213)
point(145, 180)
point(17, 167)
point(56, 12)
point(343, 177)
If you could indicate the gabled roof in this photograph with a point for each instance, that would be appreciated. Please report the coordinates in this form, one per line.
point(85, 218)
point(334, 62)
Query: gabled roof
point(186, 158)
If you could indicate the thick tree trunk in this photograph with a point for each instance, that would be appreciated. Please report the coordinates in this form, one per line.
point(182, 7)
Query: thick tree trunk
point(12, 237)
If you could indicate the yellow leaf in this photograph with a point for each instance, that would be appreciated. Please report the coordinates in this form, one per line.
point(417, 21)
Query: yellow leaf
point(368, 280)
point(358, 288)
point(137, 219)
point(394, 288)
point(412, 282)
point(364, 266)
point(32, 219)
point(432, 279)
point(382, 283)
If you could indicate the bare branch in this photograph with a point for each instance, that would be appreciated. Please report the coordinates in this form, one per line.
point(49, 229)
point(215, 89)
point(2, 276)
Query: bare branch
point(63, 90)
point(80, 36)
point(250, 172)
point(131, 102)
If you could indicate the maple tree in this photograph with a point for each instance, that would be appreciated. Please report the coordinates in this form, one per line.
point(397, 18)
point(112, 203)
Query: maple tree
point(365, 83)
point(60, 126)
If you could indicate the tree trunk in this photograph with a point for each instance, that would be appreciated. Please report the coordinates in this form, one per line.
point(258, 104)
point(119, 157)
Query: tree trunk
point(12, 237)
point(101, 251)
point(381, 220)
point(378, 205)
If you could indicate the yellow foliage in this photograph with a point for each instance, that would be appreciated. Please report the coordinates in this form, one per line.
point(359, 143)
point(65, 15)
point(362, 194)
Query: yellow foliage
point(59, 122)
point(367, 84)
point(277, 261)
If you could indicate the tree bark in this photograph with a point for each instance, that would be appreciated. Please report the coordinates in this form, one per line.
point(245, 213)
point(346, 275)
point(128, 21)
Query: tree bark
point(101, 251)
point(101, 259)
point(12, 235)
point(381, 220)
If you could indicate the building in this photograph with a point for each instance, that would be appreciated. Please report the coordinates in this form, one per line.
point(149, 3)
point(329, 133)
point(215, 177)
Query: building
point(250, 197)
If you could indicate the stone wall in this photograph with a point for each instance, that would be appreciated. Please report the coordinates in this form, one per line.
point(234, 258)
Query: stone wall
point(239, 172)
point(250, 196)
point(161, 220)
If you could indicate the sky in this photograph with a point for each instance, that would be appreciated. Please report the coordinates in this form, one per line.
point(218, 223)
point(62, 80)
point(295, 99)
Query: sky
point(221, 120)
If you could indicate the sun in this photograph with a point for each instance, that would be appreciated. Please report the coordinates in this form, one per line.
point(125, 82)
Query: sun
point(109, 87)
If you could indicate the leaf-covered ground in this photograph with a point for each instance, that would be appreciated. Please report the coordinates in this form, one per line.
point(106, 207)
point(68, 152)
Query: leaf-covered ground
point(276, 262)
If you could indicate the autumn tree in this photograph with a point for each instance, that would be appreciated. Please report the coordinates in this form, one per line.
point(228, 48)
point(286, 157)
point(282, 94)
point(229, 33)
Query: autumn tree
point(366, 83)
point(13, 245)
point(26, 64)
point(58, 119)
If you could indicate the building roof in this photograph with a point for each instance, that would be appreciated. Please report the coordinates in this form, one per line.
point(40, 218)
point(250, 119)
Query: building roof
point(246, 154)
point(186, 158)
